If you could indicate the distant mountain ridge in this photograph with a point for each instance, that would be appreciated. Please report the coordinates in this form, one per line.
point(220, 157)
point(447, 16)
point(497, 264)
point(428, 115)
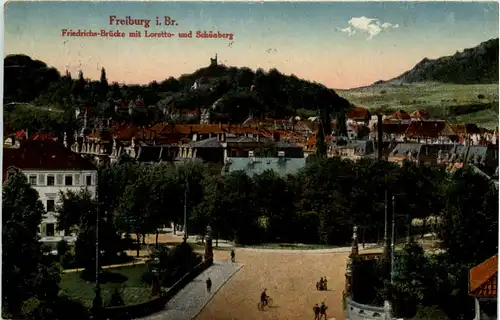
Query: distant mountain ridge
point(477, 65)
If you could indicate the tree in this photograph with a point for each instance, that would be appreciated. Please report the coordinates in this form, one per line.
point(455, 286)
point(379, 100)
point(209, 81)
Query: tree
point(134, 215)
point(28, 274)
point(413, 280)
point(174, 263)
point(77, 212)
point(470, 219)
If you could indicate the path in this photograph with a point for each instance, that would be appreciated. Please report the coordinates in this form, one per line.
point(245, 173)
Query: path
point(189, 302)
point(132, 263)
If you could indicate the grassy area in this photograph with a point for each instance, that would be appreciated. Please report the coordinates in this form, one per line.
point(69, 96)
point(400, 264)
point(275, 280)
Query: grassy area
point(132, 290)
point(436, 98)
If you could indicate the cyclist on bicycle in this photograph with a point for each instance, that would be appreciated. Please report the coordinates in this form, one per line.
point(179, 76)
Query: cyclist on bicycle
point(263, 297)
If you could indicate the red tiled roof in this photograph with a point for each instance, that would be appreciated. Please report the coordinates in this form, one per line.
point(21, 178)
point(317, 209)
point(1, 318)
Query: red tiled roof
point(391, 127)
point(359, 113)
point(43, 155)
point(400, 115)
point(483, 278)
point(44, 136)
point(425, 128)
point(20, 135)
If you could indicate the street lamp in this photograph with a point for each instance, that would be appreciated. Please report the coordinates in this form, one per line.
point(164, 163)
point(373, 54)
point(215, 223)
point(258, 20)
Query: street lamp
point(185, 211)
point(155, 287)
point(97, 302)
point(393, 239)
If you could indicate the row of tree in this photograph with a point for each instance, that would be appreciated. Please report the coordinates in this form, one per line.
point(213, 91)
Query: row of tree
point(320, 204)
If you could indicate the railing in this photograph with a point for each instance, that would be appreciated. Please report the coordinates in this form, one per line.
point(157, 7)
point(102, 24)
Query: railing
point(188, 277)
point(156, 303)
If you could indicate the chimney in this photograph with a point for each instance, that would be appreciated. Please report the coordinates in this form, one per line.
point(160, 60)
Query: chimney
point(380, 142)
point(220, 125)
point(276, 136)
point(223, 137)
point(26, 134)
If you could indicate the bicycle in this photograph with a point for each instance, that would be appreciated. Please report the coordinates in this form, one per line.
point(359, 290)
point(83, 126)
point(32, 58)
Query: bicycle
point(268, 303)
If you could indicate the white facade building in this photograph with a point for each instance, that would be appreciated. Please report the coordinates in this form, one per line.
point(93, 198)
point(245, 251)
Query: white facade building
point(49, 184)
point(51, 168)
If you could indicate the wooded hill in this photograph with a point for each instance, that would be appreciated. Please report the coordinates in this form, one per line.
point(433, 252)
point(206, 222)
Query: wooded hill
point(477, 65)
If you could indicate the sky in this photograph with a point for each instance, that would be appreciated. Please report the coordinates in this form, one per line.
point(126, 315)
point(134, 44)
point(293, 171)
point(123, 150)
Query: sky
point(339, 44)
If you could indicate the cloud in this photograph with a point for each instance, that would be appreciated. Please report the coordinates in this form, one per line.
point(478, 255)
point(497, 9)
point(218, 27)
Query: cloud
point(451, 18)
point(370, 26)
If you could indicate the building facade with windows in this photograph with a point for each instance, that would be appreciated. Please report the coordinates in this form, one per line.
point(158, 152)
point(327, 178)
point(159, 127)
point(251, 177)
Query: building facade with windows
point(51, 168)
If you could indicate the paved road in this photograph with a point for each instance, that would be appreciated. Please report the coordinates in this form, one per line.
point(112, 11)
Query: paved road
point(189, 302)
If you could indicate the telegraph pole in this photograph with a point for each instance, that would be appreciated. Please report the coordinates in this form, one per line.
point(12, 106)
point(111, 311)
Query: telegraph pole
point(386, 239)
point(97, 303)
point(393, 239)
point(185, 211)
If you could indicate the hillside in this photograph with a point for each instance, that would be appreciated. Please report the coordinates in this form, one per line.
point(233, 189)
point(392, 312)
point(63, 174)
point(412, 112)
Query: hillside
point(233, 92)
point(478, 65)
point(456, 103)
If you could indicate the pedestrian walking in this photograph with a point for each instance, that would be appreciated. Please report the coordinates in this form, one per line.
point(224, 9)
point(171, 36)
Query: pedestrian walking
point(316, 312)
point(322, 310)
point(209, 285)
point(232, 255)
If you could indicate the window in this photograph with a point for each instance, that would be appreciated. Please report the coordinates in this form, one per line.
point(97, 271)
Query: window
point(68, 180)
point(88, 180)
point(49, 229)
point(59, 179)
point(41, 179)
point(77, 179)
point(33, 180)
point(50, 205)
point(50, 180)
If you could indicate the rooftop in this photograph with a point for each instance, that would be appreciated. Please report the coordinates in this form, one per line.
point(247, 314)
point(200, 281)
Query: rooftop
point(43, 155)
point(483, 278)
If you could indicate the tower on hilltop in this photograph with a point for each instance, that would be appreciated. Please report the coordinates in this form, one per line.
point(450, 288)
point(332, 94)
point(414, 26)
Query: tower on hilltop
point(213, 62)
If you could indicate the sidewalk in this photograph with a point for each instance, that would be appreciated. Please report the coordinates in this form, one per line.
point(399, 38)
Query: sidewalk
point(189, 302)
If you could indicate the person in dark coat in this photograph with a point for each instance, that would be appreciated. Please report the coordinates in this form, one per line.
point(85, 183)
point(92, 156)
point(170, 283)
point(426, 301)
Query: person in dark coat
point(322, 310)
point(316, 312)
point(209, 285)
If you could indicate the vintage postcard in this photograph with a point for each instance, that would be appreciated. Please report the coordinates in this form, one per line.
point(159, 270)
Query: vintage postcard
point(250, 160)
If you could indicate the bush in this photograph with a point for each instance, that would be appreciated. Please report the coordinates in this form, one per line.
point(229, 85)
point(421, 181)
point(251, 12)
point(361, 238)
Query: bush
point(430, 313)
point(67, 260)
point(147, 277)
point(128, 243)
point(116, 299)
point(62, 247)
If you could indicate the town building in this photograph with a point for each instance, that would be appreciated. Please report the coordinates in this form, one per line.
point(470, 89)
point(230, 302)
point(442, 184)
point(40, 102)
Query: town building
point(50, 168)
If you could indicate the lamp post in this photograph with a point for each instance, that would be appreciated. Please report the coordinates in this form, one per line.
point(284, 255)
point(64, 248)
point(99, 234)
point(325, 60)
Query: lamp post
point(386, 239)
point(185, 211)
point(155, 288)
point(97, 302)
point(393, 239)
